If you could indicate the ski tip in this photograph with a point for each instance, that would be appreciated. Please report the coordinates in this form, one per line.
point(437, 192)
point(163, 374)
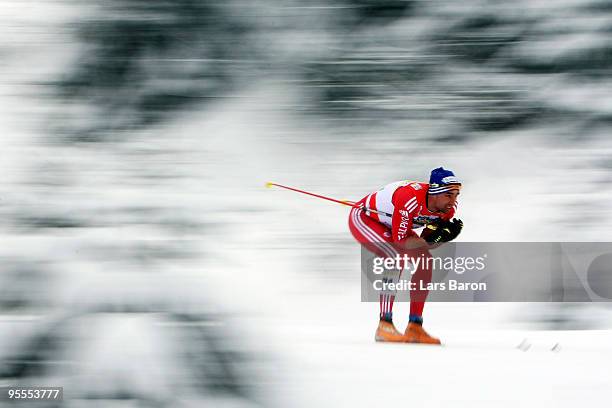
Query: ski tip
point(269, 184)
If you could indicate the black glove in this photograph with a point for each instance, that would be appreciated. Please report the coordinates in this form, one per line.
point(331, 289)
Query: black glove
point(442, 231)
point(451, 229)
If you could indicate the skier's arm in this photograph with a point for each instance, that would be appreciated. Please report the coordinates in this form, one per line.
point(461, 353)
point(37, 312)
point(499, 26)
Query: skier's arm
point(401, 223)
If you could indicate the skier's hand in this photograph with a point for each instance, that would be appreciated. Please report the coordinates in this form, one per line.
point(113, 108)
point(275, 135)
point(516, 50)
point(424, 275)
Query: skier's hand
point(442, 231)
point(432, 233)
point(451, 229)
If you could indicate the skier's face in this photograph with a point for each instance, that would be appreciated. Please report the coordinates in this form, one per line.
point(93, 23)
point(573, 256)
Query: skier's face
point(443, 202)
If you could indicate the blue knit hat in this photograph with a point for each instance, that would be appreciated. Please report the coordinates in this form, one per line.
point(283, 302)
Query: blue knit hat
point(442, 180)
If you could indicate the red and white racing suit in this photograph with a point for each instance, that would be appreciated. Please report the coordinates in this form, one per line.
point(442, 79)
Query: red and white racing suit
point(401, 207)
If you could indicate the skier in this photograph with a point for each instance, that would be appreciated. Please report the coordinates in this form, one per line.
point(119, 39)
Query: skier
point(384, 225)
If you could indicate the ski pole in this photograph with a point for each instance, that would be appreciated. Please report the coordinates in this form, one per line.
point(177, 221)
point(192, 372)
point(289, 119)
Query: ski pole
point(343, 202)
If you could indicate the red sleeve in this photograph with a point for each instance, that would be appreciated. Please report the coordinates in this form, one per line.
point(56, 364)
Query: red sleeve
point(407, 205)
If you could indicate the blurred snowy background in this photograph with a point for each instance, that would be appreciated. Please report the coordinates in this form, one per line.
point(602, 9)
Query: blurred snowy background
point(144, 264)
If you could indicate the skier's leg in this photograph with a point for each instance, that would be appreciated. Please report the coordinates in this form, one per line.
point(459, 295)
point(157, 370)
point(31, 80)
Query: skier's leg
point(376, 237)
point(421, 278)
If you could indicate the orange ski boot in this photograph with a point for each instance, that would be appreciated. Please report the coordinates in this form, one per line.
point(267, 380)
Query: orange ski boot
point(415, 334)
point(386, 331)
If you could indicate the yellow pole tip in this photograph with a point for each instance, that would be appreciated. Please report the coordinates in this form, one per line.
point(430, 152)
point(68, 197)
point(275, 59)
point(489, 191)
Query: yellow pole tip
point(269, 184)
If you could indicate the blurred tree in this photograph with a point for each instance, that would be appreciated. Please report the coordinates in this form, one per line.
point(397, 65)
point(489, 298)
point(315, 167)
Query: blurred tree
point(390, 66)
point(145, 59)
point(378, 11)
point(474, 65)
point(210, 366)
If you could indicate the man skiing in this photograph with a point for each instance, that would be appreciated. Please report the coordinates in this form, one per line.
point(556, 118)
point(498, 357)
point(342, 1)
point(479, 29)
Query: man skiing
point(384, 224)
